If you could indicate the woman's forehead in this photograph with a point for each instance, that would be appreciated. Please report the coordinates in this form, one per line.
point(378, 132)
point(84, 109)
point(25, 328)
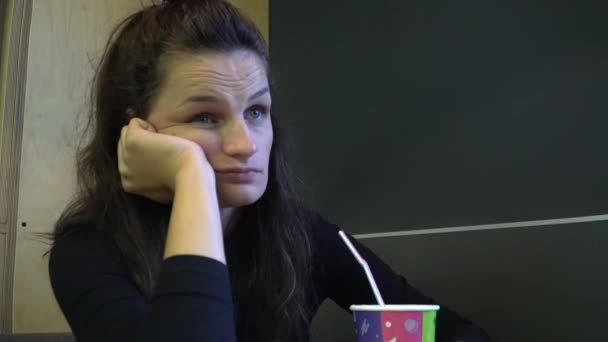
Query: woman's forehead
point(228, 69)
point(233, 78)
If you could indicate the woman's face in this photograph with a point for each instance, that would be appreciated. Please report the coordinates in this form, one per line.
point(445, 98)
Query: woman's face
point(220, 101)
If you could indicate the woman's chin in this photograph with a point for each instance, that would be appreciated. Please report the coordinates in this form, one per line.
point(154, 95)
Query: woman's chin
point(238, 195)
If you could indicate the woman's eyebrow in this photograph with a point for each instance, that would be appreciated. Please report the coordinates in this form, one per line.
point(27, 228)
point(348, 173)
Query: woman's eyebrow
point(201, 98)
point(211, 98)
point(259, 93)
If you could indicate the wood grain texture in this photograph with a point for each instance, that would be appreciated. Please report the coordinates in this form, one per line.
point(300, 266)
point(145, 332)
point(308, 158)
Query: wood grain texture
point(4, 297)
point(66, 40)
point(13, 95)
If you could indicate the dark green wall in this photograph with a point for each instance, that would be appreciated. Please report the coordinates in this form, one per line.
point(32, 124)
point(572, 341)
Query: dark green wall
point(427, 113)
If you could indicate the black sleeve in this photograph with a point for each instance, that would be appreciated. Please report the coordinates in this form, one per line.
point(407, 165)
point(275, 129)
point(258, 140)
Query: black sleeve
point(344, 281)
point(192, 300)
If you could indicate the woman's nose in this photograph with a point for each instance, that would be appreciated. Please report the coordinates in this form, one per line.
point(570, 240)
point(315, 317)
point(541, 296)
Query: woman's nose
point(238, 141)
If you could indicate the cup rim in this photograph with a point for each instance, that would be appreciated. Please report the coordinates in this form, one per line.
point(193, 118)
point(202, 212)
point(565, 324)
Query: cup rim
point(397, 307)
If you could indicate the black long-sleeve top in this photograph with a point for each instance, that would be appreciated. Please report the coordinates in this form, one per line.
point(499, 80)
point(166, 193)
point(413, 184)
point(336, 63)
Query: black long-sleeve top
point(193, 300)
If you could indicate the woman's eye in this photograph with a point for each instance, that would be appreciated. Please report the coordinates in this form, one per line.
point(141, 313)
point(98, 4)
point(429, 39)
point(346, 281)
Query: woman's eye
point(256, 113)
point(204, 118)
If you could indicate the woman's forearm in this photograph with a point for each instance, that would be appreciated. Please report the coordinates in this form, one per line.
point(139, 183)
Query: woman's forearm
point(195, 227)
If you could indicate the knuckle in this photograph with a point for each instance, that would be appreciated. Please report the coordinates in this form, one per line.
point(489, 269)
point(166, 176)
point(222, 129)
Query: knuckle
point(127, 185)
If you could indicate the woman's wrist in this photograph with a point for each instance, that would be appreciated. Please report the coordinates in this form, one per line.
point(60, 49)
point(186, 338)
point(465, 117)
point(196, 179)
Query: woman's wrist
point(194, 169)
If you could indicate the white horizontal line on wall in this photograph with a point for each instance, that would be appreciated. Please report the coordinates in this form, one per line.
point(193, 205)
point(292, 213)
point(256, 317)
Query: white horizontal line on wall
point(551, 222)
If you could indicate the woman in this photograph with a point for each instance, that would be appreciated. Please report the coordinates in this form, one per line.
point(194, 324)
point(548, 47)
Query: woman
point(187, 227)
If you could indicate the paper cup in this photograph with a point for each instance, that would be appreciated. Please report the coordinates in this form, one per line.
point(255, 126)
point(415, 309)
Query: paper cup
point(395, 323)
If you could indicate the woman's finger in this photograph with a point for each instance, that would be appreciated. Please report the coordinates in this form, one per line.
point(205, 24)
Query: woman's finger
point(140, 124)
point(121, 152)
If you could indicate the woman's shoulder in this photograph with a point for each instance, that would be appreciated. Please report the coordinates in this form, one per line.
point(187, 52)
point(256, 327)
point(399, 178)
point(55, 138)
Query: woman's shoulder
point(319, 225)
point(79, 233)
point(82, 245)
point(323, 233)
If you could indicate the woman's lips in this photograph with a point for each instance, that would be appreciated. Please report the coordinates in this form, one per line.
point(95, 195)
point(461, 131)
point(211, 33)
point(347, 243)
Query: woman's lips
point(237, 175)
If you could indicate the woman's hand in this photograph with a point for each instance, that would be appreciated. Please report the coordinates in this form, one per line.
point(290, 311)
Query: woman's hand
point(149, 162)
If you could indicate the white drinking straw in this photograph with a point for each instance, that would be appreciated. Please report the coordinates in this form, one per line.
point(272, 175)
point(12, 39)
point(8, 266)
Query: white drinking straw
point(368, 272)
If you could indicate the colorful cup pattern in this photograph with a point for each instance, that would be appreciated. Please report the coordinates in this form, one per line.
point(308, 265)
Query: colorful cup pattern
point(395, 326)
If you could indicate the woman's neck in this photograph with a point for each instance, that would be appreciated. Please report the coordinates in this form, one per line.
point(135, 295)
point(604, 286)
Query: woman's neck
point(228, 216)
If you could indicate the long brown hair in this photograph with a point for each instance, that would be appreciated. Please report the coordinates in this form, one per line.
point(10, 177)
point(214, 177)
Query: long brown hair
point(269, 253)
